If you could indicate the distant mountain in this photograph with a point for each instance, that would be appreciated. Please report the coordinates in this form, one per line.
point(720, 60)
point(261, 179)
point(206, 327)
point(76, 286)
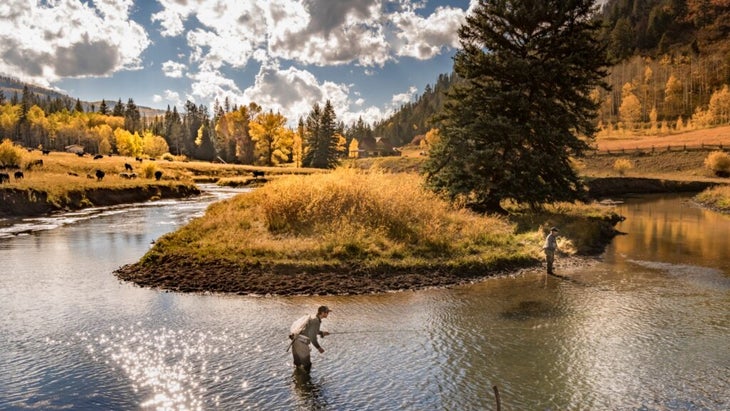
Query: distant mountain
point(11, 87)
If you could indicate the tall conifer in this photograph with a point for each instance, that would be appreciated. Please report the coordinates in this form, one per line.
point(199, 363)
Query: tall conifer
point(510, 128)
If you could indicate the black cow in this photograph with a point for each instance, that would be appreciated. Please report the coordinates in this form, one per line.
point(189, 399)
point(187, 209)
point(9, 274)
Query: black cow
point(98, 156)
point(18, 175)
point(258, 174)
point(4, 177)
point(34, 163)
point(99, 175)
point(158, 175)
point(128, 167)
point(46, 152)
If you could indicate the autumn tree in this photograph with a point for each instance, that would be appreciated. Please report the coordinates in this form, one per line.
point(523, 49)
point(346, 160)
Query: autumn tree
point(630, 110)
point(353, 149)
point(128, 144)
point(272, 138)
point(153, 145)
point(511, 127)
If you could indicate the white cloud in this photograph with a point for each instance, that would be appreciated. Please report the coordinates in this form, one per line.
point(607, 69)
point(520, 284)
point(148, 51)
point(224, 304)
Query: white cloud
point(423, 38)
point(403, 98)
point(173, 69)
point(170, 97)
point(293, 92)
point(43, 42)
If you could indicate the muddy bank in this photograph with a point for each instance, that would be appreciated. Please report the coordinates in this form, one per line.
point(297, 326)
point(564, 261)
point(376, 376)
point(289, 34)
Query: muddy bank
point(176, 273)
point(30, 202)
point(612, 186)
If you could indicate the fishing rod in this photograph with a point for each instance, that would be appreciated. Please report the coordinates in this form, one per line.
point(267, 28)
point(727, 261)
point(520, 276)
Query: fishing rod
point(373, 331)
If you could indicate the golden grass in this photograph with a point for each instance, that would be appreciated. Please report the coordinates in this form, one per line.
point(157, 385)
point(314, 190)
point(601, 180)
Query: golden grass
point(345, 217)
point(717, 198)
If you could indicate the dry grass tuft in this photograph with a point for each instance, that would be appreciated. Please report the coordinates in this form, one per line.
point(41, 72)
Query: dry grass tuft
point(345, 217)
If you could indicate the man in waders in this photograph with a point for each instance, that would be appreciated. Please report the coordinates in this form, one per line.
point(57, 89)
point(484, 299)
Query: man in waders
point(305, 331)
point(551, 245)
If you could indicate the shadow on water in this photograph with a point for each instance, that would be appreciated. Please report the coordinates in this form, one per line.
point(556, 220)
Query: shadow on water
point(310, 393)
point(526, 310)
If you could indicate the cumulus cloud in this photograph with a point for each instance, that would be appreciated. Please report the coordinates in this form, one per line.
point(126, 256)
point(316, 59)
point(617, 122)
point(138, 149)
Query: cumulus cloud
point(293, 92)
point(173, 69)
point(46, 41)
point(169, 97)
point(234, 35)
point(425, 37)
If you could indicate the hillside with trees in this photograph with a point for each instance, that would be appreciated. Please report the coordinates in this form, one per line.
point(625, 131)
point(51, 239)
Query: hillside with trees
point(670, 72)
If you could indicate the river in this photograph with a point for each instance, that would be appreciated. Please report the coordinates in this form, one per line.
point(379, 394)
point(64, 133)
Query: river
point(646, 328)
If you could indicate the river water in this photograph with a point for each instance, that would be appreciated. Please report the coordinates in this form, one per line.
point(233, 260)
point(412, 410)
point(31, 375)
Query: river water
point(646, 328)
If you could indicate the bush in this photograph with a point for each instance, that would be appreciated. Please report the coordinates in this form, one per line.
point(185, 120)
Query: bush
point(718, 162)
point(148, 170)
point(10, 154)
point(168, 157)
point(622, 165)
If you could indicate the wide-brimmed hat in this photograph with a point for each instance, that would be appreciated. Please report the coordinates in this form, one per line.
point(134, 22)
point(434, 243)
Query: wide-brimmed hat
point(554, 229)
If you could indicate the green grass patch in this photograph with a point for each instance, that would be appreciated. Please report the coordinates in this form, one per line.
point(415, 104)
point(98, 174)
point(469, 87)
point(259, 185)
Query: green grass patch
point(717, 198)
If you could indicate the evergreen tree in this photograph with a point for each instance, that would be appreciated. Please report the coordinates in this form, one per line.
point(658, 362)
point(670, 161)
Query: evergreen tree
point(103, 109)
point(132, 117)
point(118, 110)
point(78, 107)
point(321, 138)
point(510, 128)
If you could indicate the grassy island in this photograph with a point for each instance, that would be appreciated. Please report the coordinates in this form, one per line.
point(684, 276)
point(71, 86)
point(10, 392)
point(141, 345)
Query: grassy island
point(350, 232)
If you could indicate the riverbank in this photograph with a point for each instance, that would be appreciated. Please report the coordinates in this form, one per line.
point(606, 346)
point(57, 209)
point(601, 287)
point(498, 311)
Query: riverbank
point(15, 202)
point(355, 233)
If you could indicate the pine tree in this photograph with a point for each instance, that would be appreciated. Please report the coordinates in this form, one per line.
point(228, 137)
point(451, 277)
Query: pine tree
point(118, 110)
point(322, 136)
point(510, 128)
point(103, 109)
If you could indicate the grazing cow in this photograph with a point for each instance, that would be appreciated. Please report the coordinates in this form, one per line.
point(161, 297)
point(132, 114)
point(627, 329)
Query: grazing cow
point(98, 156)
point(138, 159)
point(18, 175)
point(34, 163)
point(158, 175)
point(71, 173)
point(80, 154)
point(258, 174)
point(128, 167)
point(46, 152)
point(99, 175)
point(4, 177)
point(128, 176)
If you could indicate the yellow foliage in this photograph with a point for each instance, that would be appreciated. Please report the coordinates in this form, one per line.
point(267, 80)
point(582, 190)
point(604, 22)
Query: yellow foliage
point(622, 165)
point(718, 161)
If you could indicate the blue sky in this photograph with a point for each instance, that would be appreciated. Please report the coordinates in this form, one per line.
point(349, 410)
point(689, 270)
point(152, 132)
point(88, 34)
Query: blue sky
point(366, 56)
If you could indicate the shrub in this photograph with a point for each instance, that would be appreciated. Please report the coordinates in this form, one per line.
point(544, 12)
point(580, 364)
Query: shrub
point(148, 170)
point(718, 162)
point(622, 165)
point(10, 154)
point(168, 157)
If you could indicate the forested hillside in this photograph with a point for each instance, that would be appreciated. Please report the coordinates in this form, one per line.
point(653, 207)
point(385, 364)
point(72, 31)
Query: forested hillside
point(671, 72)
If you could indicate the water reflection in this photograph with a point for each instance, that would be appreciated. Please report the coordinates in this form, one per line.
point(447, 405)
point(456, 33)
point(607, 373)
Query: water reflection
point(647, 330)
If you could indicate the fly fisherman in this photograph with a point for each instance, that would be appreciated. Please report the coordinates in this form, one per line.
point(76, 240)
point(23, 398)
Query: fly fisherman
point(304, 331)
point(550, 247)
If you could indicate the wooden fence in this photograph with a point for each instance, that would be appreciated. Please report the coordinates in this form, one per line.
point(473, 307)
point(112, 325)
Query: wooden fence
point(658, 149)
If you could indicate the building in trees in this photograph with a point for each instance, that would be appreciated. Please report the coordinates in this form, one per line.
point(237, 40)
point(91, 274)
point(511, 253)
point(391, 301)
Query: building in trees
point(511, 127)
